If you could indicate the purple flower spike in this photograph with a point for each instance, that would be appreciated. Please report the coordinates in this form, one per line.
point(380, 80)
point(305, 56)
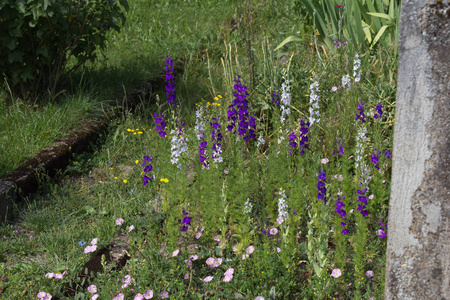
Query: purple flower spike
point(341, 211)
point(388, 154)
point(147, 168)
point(379, 111)
point(360, 114)
point(170, 80)
point(238, 113)
point(375, 158)
point(322, 190)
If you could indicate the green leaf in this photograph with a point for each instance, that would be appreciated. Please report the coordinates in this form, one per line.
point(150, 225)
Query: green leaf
point(381, 15)
point(379, 34)
point(366, 29)
point(21, 5)
point(15, 56)
point(292, 38)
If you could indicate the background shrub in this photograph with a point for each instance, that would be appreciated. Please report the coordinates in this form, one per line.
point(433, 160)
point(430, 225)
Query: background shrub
point(43, 41)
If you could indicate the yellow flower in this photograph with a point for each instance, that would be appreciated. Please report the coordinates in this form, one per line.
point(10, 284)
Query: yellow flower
point(306, 95)
point(134, 133)
point(219, 96)
point(140, 132)
point(125, 181)
point(137, 161)
point(115, 177)
point(111, 168)
point(216, 98)
point(128, 129)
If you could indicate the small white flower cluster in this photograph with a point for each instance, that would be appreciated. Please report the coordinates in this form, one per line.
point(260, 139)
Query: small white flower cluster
point(282, 205)
point(199, 128)
point(314, 114)
point(359, 152)
point(179, 146)
point(248, 206)
point(346, 82)
point(356, 67)
point(281, 138)
point(216, 155)
point(261, 141)
point(285, 100)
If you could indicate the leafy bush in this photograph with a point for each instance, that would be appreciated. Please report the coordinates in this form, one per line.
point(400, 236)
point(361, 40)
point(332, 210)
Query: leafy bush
point(43, 41)
point(364, 23)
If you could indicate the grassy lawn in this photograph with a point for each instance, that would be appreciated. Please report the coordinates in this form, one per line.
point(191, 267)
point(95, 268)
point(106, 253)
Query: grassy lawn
point(270, 179)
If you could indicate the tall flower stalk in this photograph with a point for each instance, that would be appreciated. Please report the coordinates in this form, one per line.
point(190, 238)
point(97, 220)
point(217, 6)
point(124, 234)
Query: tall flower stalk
point(147, 168)
point(285, 101)
point(178, 144)
point(216, 138)
point(238, 114)
point(314, 113)
point(322, 190)
point(170, 81)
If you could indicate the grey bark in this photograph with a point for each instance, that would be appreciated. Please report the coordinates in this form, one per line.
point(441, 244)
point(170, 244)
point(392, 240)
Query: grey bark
point(418, 246)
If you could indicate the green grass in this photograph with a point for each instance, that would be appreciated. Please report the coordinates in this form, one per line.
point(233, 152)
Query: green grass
point(26, 129)
point(80, 208)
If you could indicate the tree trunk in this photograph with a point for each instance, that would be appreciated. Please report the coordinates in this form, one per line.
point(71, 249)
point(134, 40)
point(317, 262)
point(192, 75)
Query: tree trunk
point(418, 246)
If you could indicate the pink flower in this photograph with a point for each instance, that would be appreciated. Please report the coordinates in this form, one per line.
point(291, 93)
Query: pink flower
point(89, 249)
point(193, 257)
point(278, 249)
point(139, 297)
point(175, 253)
point(217, 262)
point(119, 296)
point(119, 221)
point(217, 238)
point(338, 6)
point(44, 296)
point(336, 273)
point(148, 294)
point(280, 220)
point(250, 250)
point(94, 297)
point(324, 161)
point(273, 231)
point(189, 262)
point(58, 276)
point(126, 281)
point(228, 277)
point(371, 197)
point(164, 294)
point(198, 235)
point(49, 275)
point(230, 271)
point(259, 298)
point(214, 262)
point(334, 88)
point(208, 279)
point(186, 276)
point(244, 256)
point(210, 261)
point(369, 274)
point(235, 249)
point(130, 228)
point(94, 241)
point(92, 289)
